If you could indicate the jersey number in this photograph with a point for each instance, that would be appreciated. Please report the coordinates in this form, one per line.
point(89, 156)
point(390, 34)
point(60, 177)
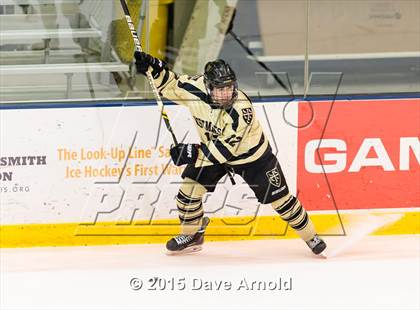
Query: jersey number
point(233, 140)
point(210, 136)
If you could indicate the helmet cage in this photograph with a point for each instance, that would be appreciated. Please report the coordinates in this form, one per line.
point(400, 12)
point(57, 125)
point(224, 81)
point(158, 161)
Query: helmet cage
point(219, 74)
point(210, 87)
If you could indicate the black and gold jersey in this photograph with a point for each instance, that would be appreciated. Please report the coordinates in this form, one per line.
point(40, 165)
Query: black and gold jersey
point(233, 136)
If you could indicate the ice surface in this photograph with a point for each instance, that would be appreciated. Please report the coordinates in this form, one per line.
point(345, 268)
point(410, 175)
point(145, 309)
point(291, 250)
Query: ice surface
point(377, 272)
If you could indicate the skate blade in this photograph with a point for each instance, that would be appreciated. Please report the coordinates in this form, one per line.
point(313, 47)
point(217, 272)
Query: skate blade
point(192, 249)
point(323, 255)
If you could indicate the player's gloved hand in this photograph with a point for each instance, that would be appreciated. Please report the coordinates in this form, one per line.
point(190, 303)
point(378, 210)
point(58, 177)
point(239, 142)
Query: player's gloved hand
point(144, 61)
point(184, 153)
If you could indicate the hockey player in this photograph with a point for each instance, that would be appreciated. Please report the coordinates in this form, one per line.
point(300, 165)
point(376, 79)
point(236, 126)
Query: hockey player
point(232, 139)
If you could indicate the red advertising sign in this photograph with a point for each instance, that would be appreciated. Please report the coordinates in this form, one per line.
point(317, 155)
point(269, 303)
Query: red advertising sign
point(359, 154)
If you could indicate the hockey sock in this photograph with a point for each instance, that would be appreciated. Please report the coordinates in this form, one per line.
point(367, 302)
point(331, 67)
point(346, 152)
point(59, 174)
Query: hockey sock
point(190, 207)
point(292, 211)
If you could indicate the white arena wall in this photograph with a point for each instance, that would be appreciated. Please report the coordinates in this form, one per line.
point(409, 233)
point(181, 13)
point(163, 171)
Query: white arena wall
point(67, 179)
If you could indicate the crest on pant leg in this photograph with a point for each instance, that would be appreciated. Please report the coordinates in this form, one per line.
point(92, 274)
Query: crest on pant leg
point(247, 115)
point(274, 177)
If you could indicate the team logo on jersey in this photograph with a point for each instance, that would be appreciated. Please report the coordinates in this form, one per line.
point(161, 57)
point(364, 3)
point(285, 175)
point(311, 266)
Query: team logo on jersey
point(274, 177)
point(247, 115)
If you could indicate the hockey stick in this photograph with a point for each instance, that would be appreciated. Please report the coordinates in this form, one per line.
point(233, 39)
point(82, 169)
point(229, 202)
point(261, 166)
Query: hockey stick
point(148, 74)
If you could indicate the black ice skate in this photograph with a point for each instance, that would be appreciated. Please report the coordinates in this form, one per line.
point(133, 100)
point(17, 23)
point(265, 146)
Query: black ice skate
point(183, 244)
point(316, 244)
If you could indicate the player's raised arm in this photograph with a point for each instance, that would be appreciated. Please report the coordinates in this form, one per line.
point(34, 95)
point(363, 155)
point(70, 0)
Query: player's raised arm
point(165, 80)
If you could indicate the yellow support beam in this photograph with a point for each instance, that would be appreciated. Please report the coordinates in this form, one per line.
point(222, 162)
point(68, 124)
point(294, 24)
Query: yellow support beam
point(158, 24)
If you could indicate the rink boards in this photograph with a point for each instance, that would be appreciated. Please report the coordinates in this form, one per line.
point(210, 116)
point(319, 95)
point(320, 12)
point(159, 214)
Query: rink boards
point(68, 177)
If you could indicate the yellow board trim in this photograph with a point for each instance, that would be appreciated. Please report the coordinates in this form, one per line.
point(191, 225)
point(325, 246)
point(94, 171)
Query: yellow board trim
point(220, 229)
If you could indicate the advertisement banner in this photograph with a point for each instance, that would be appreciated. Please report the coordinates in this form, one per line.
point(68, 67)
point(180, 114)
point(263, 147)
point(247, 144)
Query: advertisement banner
point(112, 164)
point(359, 154)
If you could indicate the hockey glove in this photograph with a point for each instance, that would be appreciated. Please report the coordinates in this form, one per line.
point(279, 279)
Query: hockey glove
point(184, 153)
point(144, 61)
